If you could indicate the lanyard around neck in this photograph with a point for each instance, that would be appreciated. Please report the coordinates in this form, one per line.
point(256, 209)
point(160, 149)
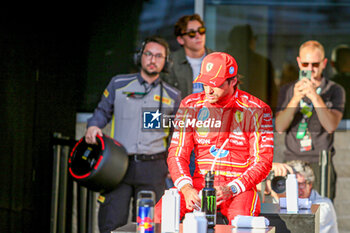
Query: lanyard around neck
point(140, 95)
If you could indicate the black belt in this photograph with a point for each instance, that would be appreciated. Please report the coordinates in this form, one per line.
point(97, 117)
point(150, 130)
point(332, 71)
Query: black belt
point(144, 157)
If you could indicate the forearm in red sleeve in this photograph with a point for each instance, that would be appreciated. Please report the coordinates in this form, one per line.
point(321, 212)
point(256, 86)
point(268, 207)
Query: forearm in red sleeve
point(260, 149)
point(180, 150)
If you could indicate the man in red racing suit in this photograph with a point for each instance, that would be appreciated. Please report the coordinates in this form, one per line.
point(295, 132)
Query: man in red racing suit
point(221, 116)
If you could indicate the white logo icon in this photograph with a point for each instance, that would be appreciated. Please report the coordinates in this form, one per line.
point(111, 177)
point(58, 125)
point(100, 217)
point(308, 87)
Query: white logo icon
point(209, 66)
point(156, 115)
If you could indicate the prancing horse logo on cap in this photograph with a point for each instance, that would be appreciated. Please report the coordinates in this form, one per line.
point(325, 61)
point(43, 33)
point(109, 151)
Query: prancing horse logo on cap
point(209, 66)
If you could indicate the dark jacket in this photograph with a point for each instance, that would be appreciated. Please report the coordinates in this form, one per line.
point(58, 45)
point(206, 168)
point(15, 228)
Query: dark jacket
point(180, 74)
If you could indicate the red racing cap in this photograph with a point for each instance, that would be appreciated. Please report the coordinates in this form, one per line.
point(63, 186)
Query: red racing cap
point(216, 68)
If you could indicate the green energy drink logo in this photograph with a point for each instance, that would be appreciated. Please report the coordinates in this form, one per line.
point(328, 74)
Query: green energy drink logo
point(211, 200)
point(210, 203)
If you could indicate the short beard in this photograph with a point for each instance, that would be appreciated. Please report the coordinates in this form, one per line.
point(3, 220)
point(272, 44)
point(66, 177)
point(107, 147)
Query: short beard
point(151, 74)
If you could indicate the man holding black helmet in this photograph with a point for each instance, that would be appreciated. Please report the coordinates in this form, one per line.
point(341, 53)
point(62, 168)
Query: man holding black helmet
point(124, 102)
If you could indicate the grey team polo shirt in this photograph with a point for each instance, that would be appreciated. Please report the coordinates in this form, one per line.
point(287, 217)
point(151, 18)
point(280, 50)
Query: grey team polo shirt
point(127, 113)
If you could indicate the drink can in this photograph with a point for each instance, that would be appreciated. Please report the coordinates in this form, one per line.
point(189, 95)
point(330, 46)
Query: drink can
point(145, 212)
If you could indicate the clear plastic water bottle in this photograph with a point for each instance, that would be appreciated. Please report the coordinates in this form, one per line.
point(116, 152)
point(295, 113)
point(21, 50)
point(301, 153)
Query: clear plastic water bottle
point(145, 211)
point(208, 203)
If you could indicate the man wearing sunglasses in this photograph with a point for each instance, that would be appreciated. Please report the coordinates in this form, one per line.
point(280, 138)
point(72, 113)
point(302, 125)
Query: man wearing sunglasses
point(309, 111)
point(190, 34)
point(125, 102)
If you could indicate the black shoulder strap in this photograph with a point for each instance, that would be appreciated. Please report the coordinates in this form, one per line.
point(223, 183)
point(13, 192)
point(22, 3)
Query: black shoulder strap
point(161, 96)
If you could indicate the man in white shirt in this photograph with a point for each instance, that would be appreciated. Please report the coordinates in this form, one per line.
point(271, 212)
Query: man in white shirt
point(190, 34)
point(186, 62)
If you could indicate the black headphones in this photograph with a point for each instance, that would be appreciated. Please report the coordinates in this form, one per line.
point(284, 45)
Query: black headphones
point(156, 39)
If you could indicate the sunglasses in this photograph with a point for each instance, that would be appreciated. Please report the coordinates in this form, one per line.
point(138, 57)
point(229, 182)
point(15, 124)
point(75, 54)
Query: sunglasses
point(313, 64)
point(192, 33)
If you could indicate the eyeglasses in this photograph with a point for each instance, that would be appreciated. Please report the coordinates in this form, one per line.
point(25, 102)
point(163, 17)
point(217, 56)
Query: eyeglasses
point(151, 55)
point(192, 33)
point(302, 185)
point(314, 64)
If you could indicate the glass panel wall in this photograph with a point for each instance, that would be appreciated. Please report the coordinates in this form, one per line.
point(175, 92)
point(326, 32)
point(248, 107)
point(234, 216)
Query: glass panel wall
point(264, 37)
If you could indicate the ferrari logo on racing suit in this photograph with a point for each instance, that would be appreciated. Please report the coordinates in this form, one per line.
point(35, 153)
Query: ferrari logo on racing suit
point(239, 116)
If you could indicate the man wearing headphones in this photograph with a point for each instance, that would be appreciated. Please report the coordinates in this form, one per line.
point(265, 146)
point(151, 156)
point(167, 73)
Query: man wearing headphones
point(128, 101)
